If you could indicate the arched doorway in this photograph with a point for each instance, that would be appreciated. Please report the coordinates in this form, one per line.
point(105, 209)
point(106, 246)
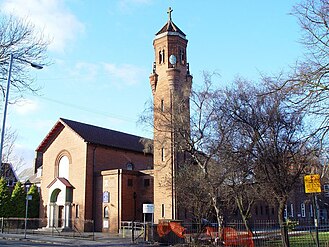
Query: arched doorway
point(57, 209)
point(60, 203)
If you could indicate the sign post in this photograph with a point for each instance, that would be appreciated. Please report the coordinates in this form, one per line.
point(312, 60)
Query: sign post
point(313, 185)
point(147, 209)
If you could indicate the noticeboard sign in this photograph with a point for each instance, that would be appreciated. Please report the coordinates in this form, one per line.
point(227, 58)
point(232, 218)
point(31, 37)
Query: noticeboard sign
point(105, 224)
point(312, 183)
point(106, 198)
point(148, 208)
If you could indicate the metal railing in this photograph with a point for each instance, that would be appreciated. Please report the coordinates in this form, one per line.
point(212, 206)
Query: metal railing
point(262, 234)
point(39, 226)
point(133, 229)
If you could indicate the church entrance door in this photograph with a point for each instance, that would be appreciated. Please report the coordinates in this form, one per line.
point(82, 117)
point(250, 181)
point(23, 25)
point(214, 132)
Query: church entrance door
point(60, 203)
point(60, 216)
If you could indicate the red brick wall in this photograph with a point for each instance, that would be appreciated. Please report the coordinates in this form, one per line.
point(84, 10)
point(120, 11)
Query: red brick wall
point(70, 143)
point(170, 85)
point(110, 158)
point(104, 159)
point(85, 164)
point(121, 205)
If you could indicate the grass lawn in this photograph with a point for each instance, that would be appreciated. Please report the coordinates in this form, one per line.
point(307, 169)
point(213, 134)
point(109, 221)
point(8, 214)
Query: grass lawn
point(300, 240)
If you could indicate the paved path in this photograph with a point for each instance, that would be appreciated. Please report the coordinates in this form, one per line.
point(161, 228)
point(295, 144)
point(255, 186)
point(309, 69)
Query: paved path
point(101, 239)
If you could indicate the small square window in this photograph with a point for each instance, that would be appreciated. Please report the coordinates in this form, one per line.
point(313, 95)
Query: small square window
point(326, 187)
point(130, 182)
point(146, 182)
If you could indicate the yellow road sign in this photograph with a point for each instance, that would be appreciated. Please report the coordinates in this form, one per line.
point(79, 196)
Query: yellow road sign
point(312, 183)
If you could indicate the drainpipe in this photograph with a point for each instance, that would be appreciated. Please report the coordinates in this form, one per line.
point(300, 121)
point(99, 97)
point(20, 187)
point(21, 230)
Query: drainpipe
point(94, 187)
point(119, 198)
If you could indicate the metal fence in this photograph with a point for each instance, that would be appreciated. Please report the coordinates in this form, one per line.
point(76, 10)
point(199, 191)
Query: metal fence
point(38, 226)
point(263, 233)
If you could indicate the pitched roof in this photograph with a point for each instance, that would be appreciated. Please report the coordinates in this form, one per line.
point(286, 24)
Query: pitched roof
point(63, 181)
point(8, 171)
point(170, 27)
point(96, 135)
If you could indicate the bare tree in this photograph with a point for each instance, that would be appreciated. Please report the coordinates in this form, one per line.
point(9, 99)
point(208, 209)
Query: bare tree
point(241, 190)
point(204, 144)
point(239, 140)
point(199, 139)
point(217, 166)
point(193, 193)
point(9, 155)
point(20, 38)
point(308, 83)
point(273, 135)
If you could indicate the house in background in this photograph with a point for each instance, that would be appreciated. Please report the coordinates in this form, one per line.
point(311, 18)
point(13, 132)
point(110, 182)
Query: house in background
point(8, 173)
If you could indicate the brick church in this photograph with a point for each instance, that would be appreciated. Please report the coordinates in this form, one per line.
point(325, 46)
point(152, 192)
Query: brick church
point(92, 174)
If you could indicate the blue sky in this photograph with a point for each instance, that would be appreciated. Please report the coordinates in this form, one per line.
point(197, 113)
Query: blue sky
point(102, 55)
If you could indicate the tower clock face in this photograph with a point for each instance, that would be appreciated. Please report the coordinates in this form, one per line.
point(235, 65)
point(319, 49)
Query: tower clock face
point(172, 59)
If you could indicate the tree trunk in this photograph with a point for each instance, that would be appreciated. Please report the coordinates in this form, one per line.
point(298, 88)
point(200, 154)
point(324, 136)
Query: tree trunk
point(282, 222)
point(244, 215)
point(218, 214)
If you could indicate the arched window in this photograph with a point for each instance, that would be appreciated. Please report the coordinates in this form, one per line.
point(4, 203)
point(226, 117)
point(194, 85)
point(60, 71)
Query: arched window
point(163, 56)
point(106, 212)
point(63, 167)
point(182, 56)
point(162, 154)
point(130, 166)
point(160, 57)
point(77, 211)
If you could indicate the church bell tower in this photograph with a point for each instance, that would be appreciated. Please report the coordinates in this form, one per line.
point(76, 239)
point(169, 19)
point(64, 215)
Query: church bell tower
point(171, 84)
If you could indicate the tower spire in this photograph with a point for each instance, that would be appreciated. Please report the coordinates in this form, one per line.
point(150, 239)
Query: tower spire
point(169, 13)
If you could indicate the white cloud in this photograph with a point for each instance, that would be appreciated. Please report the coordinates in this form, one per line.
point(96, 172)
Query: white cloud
point(25, 107)
point(85, 71)
point(126, 74)
point(51, 16)
point(89, 74)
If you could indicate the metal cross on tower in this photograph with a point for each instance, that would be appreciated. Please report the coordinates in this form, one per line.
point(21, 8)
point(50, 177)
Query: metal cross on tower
point(169, 13)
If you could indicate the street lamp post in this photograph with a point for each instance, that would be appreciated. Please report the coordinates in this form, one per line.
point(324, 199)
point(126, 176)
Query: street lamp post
point(11, 59)
point(28, 198)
